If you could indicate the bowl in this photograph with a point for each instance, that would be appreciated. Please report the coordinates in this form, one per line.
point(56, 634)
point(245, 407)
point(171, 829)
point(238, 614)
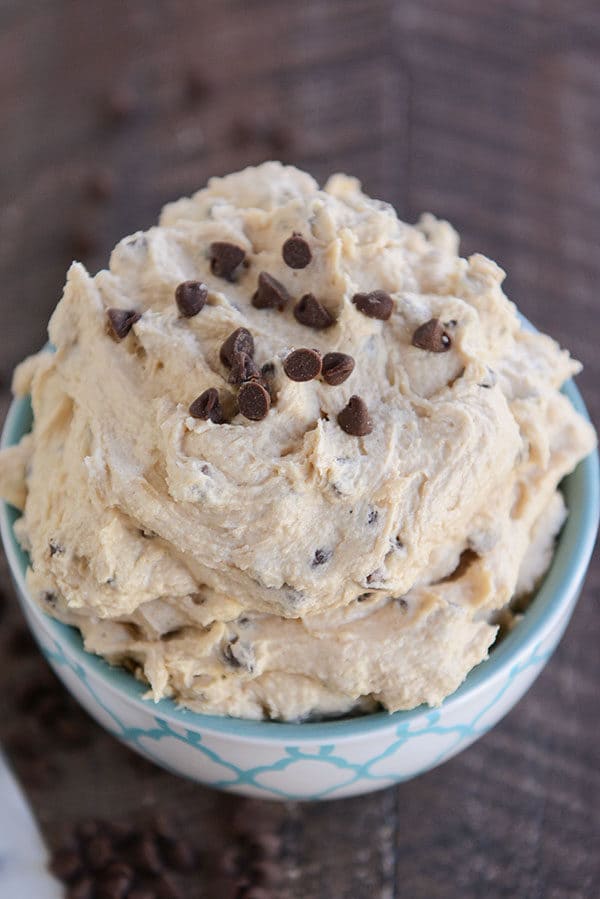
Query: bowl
point(328, 759)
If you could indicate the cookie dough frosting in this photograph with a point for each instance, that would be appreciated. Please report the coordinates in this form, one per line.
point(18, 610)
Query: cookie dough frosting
point(291, 456)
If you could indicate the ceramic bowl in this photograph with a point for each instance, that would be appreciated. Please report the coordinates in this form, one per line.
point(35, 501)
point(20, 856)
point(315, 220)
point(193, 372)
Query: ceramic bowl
point(335, 758)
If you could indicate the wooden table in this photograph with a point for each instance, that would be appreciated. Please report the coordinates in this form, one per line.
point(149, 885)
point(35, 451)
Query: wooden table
point(485, 113)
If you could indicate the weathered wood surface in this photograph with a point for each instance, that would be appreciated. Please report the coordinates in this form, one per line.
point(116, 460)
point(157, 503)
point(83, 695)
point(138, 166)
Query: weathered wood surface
point(485, 113)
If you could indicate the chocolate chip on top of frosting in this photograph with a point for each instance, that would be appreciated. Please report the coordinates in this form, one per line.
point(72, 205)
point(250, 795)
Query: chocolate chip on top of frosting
point(376, 304)
point(254, 400)
point(310, 312)
point(208, 406)
point(296, 252)
point(190, 297)
point(121, 321)
point(270, 293)
point(276, 501)
point(303, 364)
point(431, 336)
point(239, 341)
point(336, 368)
point(225, 259)
point(354, 418)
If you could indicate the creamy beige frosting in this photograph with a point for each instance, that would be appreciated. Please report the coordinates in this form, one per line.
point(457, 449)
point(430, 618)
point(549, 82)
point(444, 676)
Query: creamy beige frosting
point(192, 551)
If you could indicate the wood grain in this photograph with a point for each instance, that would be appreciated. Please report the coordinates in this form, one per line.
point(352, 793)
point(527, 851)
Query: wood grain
point(486, 114)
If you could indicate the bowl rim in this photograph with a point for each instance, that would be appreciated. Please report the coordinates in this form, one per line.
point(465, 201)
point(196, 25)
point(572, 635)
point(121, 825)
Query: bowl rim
point(554, 599)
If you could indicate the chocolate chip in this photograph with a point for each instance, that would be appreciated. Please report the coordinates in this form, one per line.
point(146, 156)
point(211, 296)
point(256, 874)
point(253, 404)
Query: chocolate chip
point(244, 368)
point(229, 656)
point(337, 367)
point(225, 258)
point(121, 321)
point(190, 297)
point(141, 893)
point(320, 557)
point(377, 304)
point(65, 864)
point(354, 418)
point(166, 889)
point(270, 293)
point(145, 855)
point(55, 548)
point(180, 856)
point(254, 401)
point(239, 341)
point(114, 886)
point(49, 598)
point(98, 852)
point(296, 251)
point(207, 406)
point(309, 311)
point(363, 597)
point(82, 889)
point(373, 516)
point(376, 576)
point(432, 337)
point(303, 365)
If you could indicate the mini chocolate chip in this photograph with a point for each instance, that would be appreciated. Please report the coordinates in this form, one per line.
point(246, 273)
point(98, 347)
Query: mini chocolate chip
point(296, 251)
point(49, 598)
point(354, 418)
point(225, 258)
point(302, 365)
point(376, 576)
point(208, 406)
point(432, 337)
point(229, 656)
point(337, 367)
point(270, 293)
point(310, 312)
point(320, 557)
point(239, 341)
point(373, 516)
point(401, 602)
point(120, 321)
point(363, 597)
point(190, 297)
point(377, 304)
point(268, 370)
point(244, 368)
point(254, 401)
point(55, 548)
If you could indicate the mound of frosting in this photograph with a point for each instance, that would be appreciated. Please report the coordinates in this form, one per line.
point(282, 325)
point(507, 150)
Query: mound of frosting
point(291, 456)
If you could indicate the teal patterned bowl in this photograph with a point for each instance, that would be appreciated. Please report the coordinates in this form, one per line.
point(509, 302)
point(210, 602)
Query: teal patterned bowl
point(335, 758)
